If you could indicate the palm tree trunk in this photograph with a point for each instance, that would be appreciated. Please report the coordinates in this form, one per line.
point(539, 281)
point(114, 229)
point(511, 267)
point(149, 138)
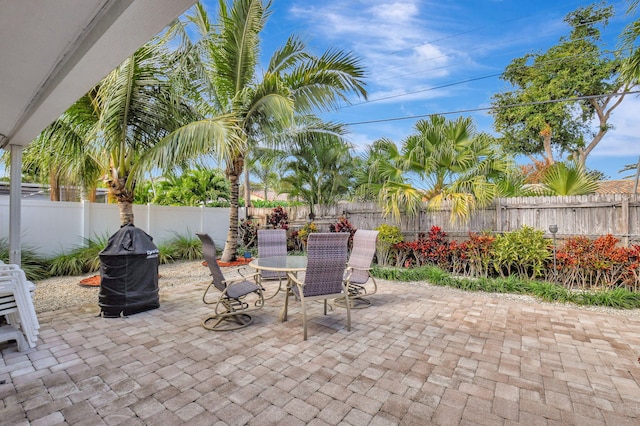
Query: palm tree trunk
point(233, 172)
point(247, 187)
point(119, 191)
point(231, 245)
point(54, 186)
point(126, 212)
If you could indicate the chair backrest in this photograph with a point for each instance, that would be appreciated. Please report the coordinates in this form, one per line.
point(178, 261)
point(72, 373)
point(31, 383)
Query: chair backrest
point(272, 242)
point(326, 261)
point(364, 247)
point(209, 254)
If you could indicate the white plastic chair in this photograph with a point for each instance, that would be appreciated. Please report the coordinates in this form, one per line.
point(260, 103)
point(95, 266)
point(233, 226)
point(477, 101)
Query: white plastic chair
point(16, 304)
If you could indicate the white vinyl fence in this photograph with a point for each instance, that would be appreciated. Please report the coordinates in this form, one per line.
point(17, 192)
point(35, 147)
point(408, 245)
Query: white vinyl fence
point(53, 227)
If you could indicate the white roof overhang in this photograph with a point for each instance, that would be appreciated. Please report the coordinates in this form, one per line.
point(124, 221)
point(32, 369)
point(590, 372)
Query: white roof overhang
point(52, 52)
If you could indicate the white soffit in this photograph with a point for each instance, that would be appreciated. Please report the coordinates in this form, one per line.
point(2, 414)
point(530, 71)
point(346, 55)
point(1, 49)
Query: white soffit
point(53, 51)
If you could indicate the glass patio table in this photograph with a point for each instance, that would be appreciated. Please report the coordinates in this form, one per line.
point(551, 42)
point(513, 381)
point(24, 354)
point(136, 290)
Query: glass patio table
point(280, 263)
point(287, 264)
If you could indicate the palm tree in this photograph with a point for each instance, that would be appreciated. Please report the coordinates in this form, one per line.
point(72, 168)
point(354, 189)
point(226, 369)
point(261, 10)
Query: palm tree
point(631, 66)
point(62, 153)
point(383, 178)
point(197, 187)
point(139, 104)
point(443, 161)
point(261, 105)
point(321, 166)
point(568, 179)
point(267, 165)
point(123, 118)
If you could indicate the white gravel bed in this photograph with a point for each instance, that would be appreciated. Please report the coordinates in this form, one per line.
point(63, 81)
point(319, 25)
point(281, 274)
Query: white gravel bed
point(63, 292)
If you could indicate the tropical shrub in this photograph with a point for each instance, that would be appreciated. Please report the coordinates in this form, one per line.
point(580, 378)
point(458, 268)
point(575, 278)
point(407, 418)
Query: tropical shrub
point(80, 260)
point(583, 263)
point(248, 234)
point(343, 225)
point(34, 266)
point(273, 203)
point(181, 247)
point(580, 263)
point(478, 251)
point(524, 252)
point(388, 236)
point(429, 249)
point(278, 219)
point(294, 243)
point(303, 233)
point(458, 258)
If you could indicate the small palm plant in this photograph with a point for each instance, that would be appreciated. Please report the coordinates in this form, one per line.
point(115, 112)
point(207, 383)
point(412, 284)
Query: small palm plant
point(568, 179)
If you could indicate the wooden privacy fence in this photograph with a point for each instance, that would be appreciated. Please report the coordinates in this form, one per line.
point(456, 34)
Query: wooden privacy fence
point(591, 216)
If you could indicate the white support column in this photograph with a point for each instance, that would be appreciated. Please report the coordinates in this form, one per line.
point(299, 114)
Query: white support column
point(15, 197)
point(202, 213)
point(149, 217)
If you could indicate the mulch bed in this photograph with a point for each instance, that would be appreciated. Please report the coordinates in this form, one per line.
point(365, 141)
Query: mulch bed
point(94, 281)
point(238, 262)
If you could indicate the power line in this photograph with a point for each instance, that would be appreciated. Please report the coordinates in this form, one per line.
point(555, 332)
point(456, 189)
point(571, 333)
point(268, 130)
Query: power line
point(577, 98)
point(455, 83)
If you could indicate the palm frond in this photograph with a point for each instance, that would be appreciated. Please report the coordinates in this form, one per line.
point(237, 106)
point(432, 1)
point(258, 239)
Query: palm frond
point(219, 136)
point(571, 179)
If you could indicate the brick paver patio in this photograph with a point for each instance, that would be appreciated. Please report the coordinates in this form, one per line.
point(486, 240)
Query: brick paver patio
point(420, 355)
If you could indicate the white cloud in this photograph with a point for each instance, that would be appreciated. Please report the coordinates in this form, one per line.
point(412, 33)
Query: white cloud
point(390, 36)
point(624, 139)
point(397, 12)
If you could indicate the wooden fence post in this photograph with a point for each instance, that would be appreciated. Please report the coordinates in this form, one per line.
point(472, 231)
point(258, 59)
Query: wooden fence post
point(625, 222)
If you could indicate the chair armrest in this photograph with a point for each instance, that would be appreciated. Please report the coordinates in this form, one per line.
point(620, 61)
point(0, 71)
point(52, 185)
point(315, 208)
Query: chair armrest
point(295, 279)
point(238, 270)
point(233, 280)
point(358, 269)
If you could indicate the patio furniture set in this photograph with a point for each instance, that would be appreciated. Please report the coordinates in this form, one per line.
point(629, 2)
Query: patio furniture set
point(329, 273)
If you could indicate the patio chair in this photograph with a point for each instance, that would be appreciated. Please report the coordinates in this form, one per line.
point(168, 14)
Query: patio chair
point(272, 242)
point(323, 279)
point(231, 310)
point(16, 305)
point(357, 274)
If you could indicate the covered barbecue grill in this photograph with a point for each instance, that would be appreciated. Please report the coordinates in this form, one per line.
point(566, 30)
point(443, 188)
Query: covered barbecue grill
point(128, 273)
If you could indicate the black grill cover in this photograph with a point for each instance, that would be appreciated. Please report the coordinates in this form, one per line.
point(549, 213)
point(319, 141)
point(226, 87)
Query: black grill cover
point(128, 273)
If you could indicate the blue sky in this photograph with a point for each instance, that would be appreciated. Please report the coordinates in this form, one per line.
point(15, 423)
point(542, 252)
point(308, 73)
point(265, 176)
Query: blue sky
point(426, 57)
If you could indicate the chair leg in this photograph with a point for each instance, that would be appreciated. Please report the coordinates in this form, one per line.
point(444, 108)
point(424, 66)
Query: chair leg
point(220, 320)
point(230, 314)
point(280, 281)
point(348, 305)
point(304, 318)
point(356, 299)
point(204, 296)
point(283, 316)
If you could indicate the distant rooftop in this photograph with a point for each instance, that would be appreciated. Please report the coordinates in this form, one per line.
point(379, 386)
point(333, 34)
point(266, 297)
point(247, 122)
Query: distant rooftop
point(621, 186)
point(42, 192)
